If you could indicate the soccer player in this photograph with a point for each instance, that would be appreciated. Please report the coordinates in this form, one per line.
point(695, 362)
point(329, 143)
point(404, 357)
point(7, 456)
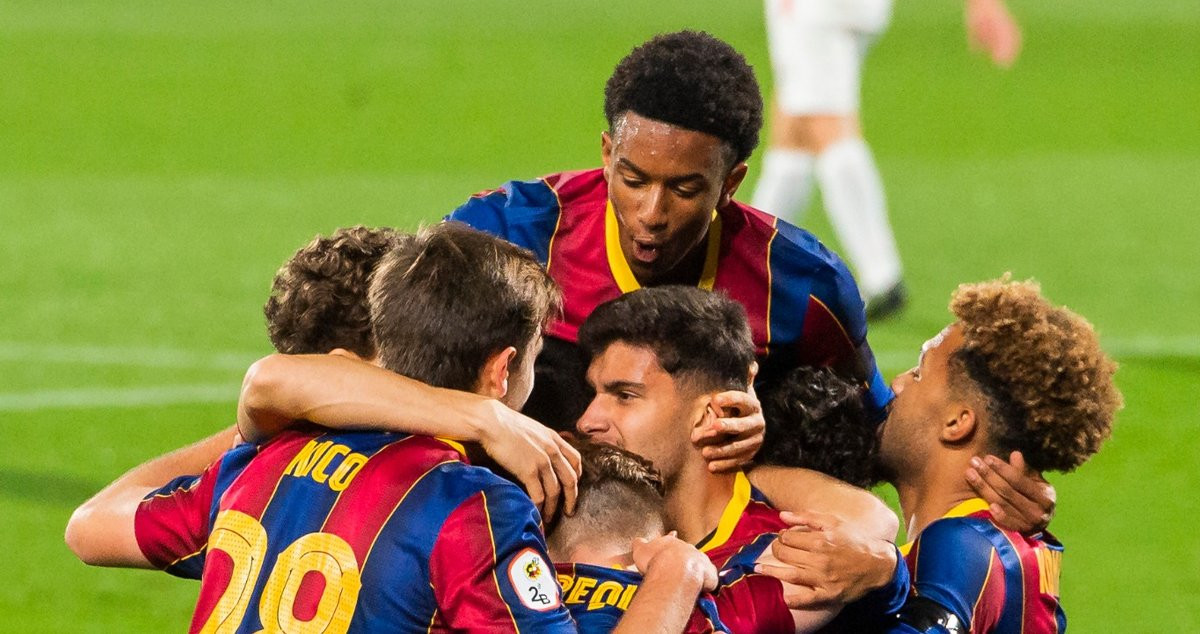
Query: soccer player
point(684, 112)
point(657, 356)
point(1012, 373)
point(316, 529)
point(817, 50)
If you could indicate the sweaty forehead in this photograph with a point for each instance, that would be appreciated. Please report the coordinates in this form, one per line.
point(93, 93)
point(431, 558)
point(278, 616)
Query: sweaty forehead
point(657, 146)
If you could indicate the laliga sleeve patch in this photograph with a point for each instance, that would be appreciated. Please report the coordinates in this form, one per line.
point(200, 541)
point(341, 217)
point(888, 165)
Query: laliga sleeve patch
point(533, 580)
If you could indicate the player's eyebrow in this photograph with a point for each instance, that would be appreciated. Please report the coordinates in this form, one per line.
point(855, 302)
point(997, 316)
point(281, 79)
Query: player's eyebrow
point(617, 386)
point(627, 164)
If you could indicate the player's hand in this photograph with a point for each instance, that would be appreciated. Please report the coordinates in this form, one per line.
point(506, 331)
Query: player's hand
point(1018, 497)
point(732, 431)
point(992, 29)
point(824, 561)
point(544, 462)
point(672, 558)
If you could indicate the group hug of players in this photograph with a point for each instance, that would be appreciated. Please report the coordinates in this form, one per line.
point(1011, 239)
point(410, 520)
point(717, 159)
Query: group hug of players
point(642, 309)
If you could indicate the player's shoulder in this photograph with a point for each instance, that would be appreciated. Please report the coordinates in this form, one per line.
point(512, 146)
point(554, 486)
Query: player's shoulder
point(952, 540)
point(524, 201)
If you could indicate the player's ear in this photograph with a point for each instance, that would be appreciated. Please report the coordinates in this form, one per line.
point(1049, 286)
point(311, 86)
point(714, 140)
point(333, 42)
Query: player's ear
point(606, 149)
point(960, 426)
point(732, 182)
point(493, 378)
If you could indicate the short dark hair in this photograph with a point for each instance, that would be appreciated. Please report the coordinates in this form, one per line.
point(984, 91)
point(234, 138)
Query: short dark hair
point(692, 80)
point(620, 499)
point(696, 334)
point(452, 297)
point(816, 420)
point(318, 298)
point(1047, 384)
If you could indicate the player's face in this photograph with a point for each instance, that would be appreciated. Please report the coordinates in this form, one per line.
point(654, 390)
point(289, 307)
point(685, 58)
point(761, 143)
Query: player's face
point(923, 402)
point(640, 407)
point(664, 183)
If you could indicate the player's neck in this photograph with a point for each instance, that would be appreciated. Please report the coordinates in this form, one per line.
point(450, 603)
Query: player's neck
point(940, 486)
point(696, 500)
point(604, 555)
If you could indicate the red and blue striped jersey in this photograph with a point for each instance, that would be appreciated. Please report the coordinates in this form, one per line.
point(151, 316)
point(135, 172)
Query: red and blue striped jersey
point(354, 532)
point(803, 305)
point(991, 579)
point(748, 526)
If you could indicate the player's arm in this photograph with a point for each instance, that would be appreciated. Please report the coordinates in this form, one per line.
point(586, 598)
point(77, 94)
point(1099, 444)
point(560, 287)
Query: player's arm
point(828, 562)
point(489, 569)
point(343, 392)
point(101, 531)
point(991, 28)
point(803, 490)
point(674, 574)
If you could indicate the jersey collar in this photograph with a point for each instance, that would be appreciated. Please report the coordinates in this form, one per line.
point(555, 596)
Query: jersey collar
point(620, 266)
point(730, 516)
point(963, 509)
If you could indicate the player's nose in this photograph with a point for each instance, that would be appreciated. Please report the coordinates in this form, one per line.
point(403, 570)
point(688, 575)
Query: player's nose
point(652, 212)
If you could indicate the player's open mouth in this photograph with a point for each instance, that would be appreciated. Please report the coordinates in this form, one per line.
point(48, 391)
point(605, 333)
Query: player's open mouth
point(646, 252)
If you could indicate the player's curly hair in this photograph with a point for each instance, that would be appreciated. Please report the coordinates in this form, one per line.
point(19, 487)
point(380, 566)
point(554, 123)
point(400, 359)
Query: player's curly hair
point(319, 297)
point(692, 80)
point(816, 419)
point(1048, 386)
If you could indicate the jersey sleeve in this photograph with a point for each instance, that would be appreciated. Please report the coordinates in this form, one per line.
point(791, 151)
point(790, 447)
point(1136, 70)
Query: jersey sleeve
point(522, 212)
point(952, 568)
point(172, 523)
point(489, 568)
point(751, 602)
point(813, 281)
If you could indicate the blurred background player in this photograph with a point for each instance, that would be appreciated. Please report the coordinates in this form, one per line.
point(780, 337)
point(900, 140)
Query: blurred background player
point(817, 51)
point(684, 112)
point(1012, 373)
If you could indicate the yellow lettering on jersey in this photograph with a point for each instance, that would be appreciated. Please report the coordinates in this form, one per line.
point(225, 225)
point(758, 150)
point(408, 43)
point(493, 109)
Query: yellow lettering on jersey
point(304, 461)
point(346, 471)
point(318, 473)
point(607, 593)
point(565, 581)
point(1049, 569)
point(626, 597)
point(582, 586)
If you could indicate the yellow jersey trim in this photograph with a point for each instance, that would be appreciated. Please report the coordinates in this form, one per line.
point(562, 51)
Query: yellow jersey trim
point(731, 515)
point(454, 444)
point(963, 509)
point(619, 266)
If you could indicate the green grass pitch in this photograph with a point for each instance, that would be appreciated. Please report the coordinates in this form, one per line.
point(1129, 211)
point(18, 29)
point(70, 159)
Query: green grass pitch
point(159, 160)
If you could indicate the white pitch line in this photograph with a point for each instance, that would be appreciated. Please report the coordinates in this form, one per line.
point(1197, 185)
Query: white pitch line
point(122, 356)
point(132, 397)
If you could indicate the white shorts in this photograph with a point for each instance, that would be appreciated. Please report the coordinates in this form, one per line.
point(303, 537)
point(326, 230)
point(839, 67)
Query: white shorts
point(817, 51)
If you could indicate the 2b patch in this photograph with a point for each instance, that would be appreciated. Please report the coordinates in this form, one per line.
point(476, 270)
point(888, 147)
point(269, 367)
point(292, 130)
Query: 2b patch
point(534, 581)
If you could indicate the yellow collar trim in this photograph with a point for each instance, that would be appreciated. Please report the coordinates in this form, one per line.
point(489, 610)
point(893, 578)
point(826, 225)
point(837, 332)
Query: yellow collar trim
point(457, 446)
point(963, 509)
point(620, 266)
point(731, 515)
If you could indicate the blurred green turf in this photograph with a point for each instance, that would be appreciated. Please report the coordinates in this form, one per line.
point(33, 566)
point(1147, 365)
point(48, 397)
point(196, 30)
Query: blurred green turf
point(159, 160)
